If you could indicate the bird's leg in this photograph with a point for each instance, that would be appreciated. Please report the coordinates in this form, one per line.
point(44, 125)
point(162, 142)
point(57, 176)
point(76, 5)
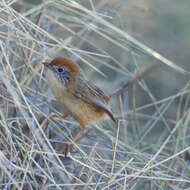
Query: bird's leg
point(51, 117)
point(75, 135)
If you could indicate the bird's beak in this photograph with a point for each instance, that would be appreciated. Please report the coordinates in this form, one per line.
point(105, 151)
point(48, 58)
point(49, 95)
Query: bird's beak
point(47, 64)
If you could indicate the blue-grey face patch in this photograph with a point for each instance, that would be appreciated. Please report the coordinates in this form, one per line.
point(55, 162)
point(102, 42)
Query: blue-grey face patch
point(62, 74)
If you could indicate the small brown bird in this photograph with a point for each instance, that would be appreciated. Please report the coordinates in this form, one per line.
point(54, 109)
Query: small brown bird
point(80, 98)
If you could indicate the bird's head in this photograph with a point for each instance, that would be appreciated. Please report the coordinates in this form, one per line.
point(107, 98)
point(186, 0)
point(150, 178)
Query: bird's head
point(63, 69)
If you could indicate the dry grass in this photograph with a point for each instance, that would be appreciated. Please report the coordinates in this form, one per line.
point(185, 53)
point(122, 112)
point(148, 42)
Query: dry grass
point(126, 156)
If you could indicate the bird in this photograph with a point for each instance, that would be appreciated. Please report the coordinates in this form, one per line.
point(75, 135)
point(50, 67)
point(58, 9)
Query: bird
point(80, 98)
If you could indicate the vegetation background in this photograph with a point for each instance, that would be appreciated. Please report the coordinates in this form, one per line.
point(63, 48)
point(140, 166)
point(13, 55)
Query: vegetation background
point(112, 40)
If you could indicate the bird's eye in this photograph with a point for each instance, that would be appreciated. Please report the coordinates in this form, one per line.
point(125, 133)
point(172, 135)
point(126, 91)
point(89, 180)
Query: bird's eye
point(60, 70)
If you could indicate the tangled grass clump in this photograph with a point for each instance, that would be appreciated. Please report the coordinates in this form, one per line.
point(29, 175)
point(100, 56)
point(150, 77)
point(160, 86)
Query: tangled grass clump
point(130, 155)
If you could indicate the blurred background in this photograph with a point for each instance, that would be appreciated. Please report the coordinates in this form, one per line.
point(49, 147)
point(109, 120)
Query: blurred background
point(112, 41)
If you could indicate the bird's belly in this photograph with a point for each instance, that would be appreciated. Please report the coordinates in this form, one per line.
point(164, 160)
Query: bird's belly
point(82, 111)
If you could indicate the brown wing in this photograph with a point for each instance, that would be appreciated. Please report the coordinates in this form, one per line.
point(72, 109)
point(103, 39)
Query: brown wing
point(92, 94)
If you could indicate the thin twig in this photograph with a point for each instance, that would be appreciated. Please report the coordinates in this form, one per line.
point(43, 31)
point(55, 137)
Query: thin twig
point(136, 78)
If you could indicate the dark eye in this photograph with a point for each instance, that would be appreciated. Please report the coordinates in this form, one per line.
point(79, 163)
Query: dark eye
point(60, 70)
